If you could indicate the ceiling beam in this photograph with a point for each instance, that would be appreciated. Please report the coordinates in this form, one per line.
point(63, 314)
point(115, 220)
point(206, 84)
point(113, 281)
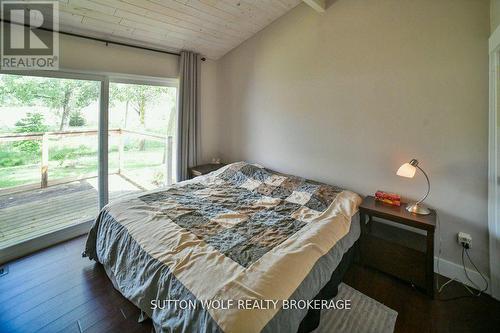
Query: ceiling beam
point(317, 5)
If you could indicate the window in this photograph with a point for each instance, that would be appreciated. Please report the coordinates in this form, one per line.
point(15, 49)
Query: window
point(142, 127)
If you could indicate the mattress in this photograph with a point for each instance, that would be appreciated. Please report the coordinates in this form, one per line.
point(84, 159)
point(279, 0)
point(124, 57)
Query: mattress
point(244, 236)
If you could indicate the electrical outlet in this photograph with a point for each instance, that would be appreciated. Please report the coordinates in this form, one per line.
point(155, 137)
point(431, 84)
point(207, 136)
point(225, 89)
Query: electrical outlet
point(464, 240)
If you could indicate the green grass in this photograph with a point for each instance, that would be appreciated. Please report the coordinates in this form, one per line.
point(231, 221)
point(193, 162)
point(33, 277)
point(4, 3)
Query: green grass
point(10, 157)
point(10, 177)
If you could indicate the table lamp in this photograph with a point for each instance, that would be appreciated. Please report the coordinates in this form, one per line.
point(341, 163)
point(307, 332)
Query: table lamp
point(408, 170)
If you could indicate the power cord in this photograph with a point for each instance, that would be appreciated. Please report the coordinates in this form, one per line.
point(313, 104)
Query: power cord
point(465, 250)
point(438, 288)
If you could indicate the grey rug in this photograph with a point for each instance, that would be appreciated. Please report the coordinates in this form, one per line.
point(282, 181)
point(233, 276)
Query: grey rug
point(366, 315)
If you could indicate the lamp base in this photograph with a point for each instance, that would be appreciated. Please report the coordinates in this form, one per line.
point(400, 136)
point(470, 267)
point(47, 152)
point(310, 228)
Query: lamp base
point(418, 209)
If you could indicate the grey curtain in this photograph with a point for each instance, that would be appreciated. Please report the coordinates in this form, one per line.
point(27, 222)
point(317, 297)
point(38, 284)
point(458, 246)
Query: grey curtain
point(188, 123)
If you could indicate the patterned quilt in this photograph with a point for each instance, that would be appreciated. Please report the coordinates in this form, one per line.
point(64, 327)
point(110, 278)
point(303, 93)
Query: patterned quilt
point(233, 234)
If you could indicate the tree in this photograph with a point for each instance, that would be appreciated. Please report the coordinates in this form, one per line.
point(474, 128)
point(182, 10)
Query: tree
point(76, 119)
point(172, 116)
point(61, 95)
point(33, 122)
point(138, 97)
point(66, 96)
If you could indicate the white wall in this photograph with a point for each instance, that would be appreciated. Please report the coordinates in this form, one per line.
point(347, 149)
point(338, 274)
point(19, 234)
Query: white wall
point(210, 125)
point(87, 55)
point(348, 96)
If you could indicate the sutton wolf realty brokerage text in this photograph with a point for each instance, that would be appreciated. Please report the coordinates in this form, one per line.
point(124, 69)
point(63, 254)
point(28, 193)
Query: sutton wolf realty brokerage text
point(316, 304)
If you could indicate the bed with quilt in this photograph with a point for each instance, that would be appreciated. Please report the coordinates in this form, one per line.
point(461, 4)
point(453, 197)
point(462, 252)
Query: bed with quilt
point(239, 235)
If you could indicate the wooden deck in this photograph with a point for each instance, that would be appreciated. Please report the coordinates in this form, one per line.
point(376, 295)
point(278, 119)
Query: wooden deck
point(30, 214)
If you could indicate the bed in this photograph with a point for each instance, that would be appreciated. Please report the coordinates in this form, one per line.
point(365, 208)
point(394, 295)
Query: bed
point(244, 235)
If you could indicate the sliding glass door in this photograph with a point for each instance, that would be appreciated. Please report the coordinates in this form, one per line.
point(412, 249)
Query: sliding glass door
point(71, 142)
point(48, 155)
point(142, 127)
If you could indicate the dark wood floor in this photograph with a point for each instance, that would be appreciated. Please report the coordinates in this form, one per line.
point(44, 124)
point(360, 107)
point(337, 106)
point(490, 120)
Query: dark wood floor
point(55, 290)
point(418, 313)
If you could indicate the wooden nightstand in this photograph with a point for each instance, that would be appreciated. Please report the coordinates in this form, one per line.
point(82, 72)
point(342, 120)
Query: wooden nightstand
point(403, 253)
point(204, 169)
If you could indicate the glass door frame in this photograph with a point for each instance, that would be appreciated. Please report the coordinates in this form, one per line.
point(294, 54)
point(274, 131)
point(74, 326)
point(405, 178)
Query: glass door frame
point(35, 244)
point(104, 79)
point(493, 173)
point(139, 80)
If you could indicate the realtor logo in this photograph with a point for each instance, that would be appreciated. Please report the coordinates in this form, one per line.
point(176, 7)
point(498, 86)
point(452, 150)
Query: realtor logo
point(28, 38)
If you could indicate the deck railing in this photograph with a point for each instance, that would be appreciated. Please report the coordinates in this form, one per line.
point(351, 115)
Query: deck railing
point(45, 136)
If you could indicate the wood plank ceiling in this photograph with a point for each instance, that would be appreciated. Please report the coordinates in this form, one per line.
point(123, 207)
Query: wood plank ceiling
point(210, 27)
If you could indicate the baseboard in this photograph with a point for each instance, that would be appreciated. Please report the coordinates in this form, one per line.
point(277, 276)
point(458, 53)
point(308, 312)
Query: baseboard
point(452, 270)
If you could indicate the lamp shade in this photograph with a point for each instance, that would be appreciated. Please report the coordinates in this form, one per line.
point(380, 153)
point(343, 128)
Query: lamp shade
point(406, 170)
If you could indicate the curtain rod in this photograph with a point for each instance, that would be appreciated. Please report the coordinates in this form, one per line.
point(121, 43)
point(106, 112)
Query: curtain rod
point(96, 39)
